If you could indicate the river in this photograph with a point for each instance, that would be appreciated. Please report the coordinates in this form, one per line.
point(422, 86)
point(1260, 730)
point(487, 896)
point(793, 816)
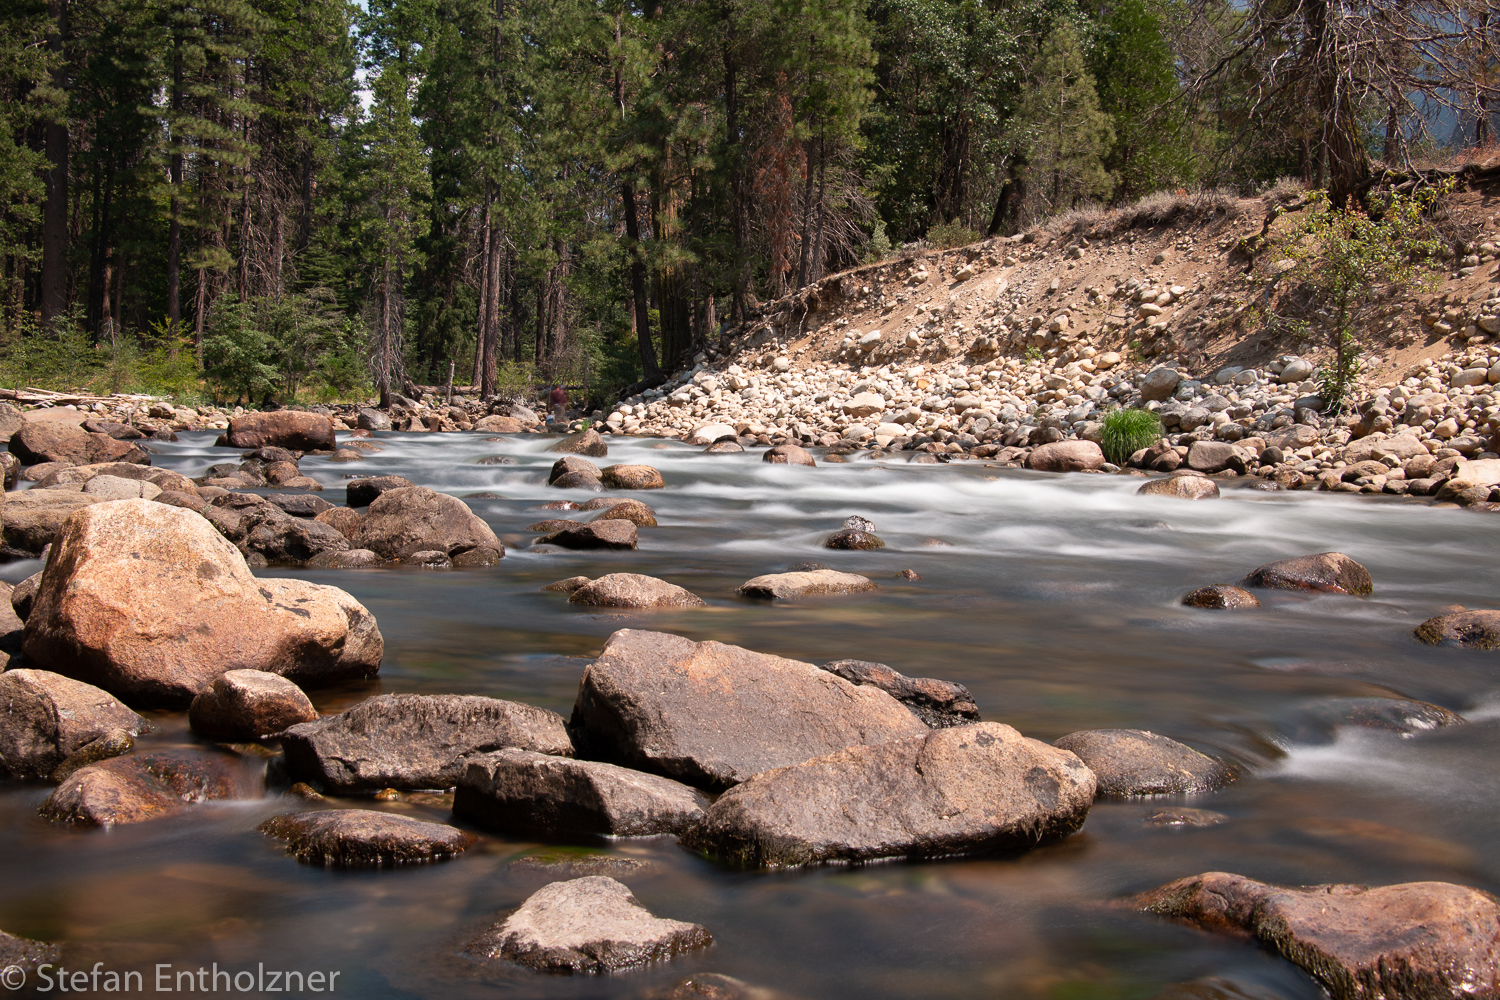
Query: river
point(1053, 598)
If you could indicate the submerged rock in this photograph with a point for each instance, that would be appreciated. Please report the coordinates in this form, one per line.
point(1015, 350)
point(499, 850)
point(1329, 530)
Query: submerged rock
point(364, 838)
point(784, 586)
point(589, 924)
point(966, 790)
point(1133, 762)
point(144, 786)
point(940, 704)
point(1326, 571)
point(1182, 817)
point(1467, 629)
point(633, 590)
point(711, 715)
point(1221, 596)
point(522, 791)
point(1413, 941)
point(412, 741)
point(45, 718)
point(248, 705)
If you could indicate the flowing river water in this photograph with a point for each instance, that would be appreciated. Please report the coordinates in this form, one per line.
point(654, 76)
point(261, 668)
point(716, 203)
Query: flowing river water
point(1053, 598)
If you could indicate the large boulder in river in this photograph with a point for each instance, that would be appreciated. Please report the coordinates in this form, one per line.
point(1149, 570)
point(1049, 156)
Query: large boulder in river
point(1327, 571)
point(1468, 629)
point(413, 519)
point(938, 703)
point(165, 479)
point(363, 492)
point(620, 509)
point(364, 838)
point(519, 791)
point(150, 603)
point(788, 454)
point(571, 465)
point(295, 430)
point(260, 526)
point(1131, 762)
point(631, 477)
point(145, 786)
point(786, 586)
point(1413, 941)
point(712, 715)
point(59, 441)
point(245, 705)
point(590, 924)
point(1181, 487)
point(1066, 456)
point(415, 741)
point(46, 718)
point(587, 442)
point(966, 790)
point(633, 590)
point(607, 534)
point(31, 519)
point(1216, 456)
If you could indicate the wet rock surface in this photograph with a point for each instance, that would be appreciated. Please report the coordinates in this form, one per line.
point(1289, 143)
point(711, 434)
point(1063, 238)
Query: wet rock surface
point(786, 454)
point(1131, 762)
point(363, 492)
point(1401, 942)
point(1221, 596)
point(712, 715)
point(786, 586)
point(410, 519)
point(414, 741)
point(611, 534)
point(1331, 572)
point(145, 786)
point(1181, 487)
point(526, 792)
point(938, 703)
point(1464, 629)
point(621, 509)
point(853, 539)
point(26, 954)
point(292, 429)
point(248, 705)
point(633, 590)
point(970, 789)
point(631, 477)
point(46, 718)
point(365, 838)
point(589, 924)
point(588, 442)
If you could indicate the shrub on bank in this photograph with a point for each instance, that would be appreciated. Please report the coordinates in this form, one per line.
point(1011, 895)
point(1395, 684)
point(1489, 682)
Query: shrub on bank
point(1127, 432)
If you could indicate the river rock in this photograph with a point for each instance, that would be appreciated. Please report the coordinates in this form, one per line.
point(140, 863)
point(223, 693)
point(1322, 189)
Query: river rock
point(32, 518)
point(10, 474)
point(1221, 595)
point(116, 488)
point(346, 559)
point(1327, 571)
point(788, 454)
point(498, 424)
point(143, 786)
point(247, 705)
point(110, 743)
point(589, 924)
point(1132, 762)
point(1216, 456)
point(303, 505)
point(853, 539)
point(26, 954)
point(711, 434)
point(711, 715)
point(785, 586)
point(414, 741)
point(567, 586)
point(148, 602)
point(586, 442)
point(572, 465)
point(966, 790)
point(411, 519)
point(1181, 487)
point(940, 704)
point(344, 520)
point(364, 838)
point(610, 534)
point(618, 509)
point(631, 477)
point(1413, 941)
point(1159, 383)
point(46, 718)
point(1402, 446)
point(1066, 456)
point(293, 429)
point(166, 479)
point(363, 492)
point(717, 448)
point(58, 441)
point(524, 792)
point(261, 527)
point(23, 595)
point(1321, 720)
point(633, 590)
point(1467, 629)
point(373, 420)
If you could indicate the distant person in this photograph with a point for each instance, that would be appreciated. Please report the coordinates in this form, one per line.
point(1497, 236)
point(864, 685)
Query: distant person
point(559, 401)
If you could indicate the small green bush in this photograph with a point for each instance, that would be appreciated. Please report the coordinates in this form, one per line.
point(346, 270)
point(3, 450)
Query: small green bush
point(952, 234)
point(1127, 432)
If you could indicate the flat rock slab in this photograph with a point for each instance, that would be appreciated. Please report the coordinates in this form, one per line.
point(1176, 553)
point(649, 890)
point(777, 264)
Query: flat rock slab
point(938, 703)
point(589, 924)
point(1463, 629)
point(1413, 941)
point(248, 705)
point(712, 715)
point(1332, 572)
point(785, 586)
point(966, 790)
point(365, 838)
point(594, 535)
point(521, 791)
point(412, 741)
point(1132, 762)
point(1221, 596)
point(633, 590)
point(145, 786)
point(46, 718)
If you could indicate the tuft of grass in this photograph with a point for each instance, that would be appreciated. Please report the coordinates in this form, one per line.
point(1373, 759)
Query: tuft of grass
point(1127, 432)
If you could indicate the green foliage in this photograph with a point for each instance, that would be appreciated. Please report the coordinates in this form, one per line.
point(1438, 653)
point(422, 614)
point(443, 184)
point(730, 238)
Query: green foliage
point(1342, 258)
point(1127, 431)
point(951, 234)
point(237, 352)
point(1068, 135)
point(878, 247)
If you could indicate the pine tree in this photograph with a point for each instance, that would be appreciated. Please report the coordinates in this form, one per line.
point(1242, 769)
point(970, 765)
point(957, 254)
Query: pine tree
point(1068, 135)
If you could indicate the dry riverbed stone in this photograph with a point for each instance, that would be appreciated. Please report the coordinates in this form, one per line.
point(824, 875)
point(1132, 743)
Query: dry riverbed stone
point(589, 924)
point(412, 741)
point(712, 715)
point(966, 790)
point(1413, 941)
point(1221, 596)
point(785, 586)
point(365, 838)
point(45, 718)
point(248, 705)
point(1333, 572)
point(633, 590)
point(526, 792)
point(1132, 762)
point(1066, 456)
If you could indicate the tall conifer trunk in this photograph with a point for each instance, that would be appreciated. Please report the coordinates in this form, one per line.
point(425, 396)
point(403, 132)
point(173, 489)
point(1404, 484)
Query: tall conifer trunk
point(54, 297)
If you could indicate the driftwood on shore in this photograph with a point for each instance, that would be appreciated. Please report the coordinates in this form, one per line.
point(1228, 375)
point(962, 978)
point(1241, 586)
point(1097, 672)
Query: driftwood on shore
point(28, 394)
